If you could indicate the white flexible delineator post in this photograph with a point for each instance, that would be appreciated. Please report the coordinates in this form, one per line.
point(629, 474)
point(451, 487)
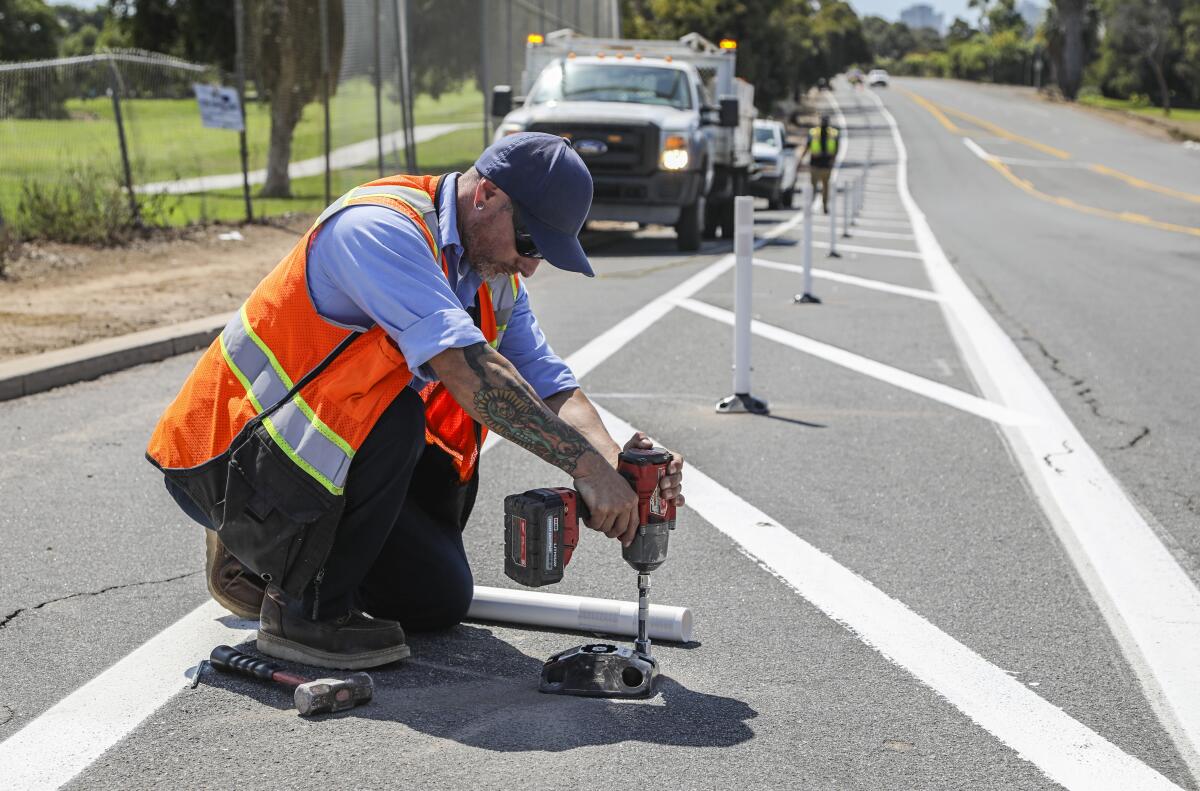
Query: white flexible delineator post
point(846, 211)
point(806, 296)
point(578, 613)
point(743, 251)
point(743, 294)
point(831, 210)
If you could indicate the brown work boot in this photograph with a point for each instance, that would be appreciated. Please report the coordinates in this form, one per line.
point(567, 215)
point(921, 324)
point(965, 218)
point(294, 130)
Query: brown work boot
point(352, 641)
point(235, 587)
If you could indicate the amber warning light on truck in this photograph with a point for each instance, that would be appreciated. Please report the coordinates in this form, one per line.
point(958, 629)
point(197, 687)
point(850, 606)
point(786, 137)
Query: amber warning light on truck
point(728, 43)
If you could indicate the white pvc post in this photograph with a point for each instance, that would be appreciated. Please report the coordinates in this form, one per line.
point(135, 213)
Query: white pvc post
point(832, 208)
point(578, 613)
point(743, 251)
point(807, 296)
point(846, 211)
point(743, 290)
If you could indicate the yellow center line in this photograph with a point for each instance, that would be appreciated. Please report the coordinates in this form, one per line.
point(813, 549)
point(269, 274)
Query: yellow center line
point(933, 110)
point(1130, 217)
point(1027, 185)
point(1000, 131)
point(1134, 181)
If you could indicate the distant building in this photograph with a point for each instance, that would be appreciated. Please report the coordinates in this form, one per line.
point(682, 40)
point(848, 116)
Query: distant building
point(921, 15)
point(1031, 12)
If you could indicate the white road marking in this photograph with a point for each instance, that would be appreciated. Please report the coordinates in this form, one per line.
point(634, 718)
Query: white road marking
point(983, 154)
point(977, 150)
point(937, 391)
point(862, 282)
point(1067, 752)
point(881, 251)
point(881, 234)
point(880, 223)
point(67, 737)
point(1150, 603)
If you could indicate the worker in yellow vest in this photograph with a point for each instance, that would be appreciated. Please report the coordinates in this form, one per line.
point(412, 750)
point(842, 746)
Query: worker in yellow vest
point(821, 149)
point(329, 438)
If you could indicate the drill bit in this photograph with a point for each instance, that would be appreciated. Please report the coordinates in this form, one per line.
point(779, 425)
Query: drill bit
point(642, 644)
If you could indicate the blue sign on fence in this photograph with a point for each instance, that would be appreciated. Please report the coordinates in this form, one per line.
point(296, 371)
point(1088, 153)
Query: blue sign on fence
point(219, 107)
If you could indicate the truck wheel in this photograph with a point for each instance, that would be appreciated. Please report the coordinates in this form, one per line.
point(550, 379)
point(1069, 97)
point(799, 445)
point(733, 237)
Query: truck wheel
point(691, 224)
point(711, 218)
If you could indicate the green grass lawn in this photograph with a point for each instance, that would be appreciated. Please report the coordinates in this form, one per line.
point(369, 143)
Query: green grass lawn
point(1183, 115)
point(456, 151)
point(167, 142)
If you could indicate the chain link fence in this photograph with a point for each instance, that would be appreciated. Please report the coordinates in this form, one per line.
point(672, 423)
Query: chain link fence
point(335, 93)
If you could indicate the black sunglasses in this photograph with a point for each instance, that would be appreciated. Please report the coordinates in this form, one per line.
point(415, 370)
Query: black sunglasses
point(526, 247)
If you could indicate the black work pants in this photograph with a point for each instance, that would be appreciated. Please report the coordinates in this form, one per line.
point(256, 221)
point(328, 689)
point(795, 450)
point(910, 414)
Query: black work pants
point(398, 551)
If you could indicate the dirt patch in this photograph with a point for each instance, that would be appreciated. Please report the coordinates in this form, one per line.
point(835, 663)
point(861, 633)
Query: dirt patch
point(59, 295)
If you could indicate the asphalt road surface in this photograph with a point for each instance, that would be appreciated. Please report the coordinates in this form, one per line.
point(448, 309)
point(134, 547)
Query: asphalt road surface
point(961, 552)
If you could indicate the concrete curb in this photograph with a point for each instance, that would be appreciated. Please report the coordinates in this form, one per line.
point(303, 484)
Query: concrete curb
point(40, 372)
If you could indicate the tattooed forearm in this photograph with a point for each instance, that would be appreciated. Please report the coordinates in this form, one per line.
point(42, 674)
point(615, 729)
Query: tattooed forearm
point(508, 406)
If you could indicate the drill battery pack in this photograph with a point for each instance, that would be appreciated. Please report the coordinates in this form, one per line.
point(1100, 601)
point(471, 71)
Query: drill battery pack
point(541, 529)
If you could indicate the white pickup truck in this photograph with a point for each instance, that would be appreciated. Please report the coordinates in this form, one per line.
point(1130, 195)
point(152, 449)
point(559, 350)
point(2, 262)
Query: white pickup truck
point(664, 126)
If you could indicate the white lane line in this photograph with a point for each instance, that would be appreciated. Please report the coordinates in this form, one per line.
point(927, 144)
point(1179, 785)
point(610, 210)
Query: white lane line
point(997, 413)
point(73, 733)
point(881, 251)
point(1151, 605)
point(861, 282)
point(880, 223)
point(1066, 751)
point(987, 156)
point(882, 235)
point(977, 150)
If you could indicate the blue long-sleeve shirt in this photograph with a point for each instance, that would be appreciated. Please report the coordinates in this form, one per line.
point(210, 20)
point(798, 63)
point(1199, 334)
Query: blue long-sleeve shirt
point(370, 265)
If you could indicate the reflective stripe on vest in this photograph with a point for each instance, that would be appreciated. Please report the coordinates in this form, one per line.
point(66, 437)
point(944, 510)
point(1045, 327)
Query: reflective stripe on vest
point(503, 298)
point(417, 198)
point(814, 141)
point(312, 445)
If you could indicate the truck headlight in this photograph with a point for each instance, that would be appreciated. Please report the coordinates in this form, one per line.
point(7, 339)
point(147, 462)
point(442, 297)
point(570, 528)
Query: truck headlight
point(675, 153)
point(509, 128)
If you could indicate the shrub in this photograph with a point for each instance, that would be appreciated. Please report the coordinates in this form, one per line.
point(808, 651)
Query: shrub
point(86, 204)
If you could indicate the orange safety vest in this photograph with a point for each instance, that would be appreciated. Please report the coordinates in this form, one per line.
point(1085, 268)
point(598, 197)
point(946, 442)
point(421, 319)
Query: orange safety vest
point(277, 337)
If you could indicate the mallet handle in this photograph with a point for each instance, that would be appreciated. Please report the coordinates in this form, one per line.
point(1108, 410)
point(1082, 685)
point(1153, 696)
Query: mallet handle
point(234, 661)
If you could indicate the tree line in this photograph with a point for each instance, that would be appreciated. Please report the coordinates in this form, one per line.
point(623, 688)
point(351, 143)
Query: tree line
point(1140, 50)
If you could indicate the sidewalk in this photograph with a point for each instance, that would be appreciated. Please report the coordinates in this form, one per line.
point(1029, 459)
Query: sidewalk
point(340, 159)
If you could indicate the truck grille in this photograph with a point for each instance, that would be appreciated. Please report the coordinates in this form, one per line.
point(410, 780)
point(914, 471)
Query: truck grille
point(628, 148)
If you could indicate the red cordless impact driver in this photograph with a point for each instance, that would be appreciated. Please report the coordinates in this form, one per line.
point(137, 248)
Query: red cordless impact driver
point(541, 529)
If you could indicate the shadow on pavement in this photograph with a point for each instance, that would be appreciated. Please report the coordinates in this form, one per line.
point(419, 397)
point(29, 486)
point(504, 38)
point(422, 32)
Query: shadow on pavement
point(471, 687)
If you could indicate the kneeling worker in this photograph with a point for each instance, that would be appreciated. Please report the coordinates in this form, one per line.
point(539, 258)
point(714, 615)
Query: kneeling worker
point(329, 438)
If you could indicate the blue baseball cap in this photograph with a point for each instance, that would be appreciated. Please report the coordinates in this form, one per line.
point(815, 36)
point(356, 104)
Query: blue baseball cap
point(548, 181)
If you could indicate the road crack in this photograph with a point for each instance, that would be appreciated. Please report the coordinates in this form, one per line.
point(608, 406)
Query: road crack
point(1078, 384)
point(11, 713)
point(21, 610)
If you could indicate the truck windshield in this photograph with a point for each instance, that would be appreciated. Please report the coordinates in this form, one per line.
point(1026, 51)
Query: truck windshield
point(764, 134)
point(603, 82)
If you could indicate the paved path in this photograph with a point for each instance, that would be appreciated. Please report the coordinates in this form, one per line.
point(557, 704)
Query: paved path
point(340, 159)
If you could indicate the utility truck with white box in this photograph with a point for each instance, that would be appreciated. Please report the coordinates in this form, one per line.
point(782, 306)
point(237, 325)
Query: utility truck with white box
point(664, 127)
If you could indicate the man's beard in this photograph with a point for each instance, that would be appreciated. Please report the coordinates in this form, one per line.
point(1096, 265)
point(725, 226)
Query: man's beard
point(473, 249)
